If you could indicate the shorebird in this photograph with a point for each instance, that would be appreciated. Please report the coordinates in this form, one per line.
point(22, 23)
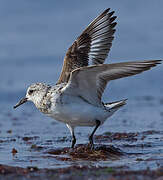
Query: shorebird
point(76, 98)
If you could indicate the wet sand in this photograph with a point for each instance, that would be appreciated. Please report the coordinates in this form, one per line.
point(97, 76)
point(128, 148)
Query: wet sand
point(83, 153)
point(138, 156)
point(74, 172)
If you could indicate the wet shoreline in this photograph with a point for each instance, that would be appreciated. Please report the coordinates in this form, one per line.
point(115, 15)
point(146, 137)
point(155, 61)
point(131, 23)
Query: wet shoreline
point(76, 172)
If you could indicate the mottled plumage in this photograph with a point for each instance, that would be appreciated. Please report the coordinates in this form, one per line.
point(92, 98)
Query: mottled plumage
point(76, 98)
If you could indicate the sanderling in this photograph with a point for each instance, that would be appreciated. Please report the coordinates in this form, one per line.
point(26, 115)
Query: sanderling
point(76, 98)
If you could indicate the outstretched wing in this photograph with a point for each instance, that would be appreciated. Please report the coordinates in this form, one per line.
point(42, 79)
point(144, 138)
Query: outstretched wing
point(92, 46)
point(90, 82)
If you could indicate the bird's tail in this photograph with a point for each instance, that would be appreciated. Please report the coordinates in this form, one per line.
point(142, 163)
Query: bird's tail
point(115, 105)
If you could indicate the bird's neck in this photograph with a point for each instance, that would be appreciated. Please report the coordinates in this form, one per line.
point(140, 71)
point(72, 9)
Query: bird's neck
point(42, 102)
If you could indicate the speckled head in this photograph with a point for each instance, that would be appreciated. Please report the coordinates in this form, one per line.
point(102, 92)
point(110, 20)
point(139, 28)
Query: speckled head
point(35, 93)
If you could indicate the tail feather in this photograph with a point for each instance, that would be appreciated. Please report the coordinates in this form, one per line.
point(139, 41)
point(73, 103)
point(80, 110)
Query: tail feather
point(116, 104)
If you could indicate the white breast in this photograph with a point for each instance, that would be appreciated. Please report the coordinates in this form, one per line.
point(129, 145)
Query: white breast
point(77, 112)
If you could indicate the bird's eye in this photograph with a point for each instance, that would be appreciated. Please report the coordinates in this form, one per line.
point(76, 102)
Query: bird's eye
point(30, 92)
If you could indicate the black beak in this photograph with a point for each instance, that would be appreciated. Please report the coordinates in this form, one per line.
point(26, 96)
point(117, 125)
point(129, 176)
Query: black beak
point(22, 101)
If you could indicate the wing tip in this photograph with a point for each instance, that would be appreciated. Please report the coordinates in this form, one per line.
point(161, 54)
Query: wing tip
point(113, 18)
point(153, 62)
point(159, 61)
point(111, 13)
point(106, 10)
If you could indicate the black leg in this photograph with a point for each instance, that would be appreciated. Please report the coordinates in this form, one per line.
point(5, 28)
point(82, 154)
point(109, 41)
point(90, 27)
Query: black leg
point(71, 128)
point(91, 136)
point(73, 140)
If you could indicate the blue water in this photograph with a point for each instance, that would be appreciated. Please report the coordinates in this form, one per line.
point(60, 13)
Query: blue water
point(34, 36)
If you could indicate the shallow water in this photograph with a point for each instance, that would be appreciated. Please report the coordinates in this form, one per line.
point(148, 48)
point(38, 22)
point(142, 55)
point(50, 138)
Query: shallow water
point(33, 134)
point(25, 59)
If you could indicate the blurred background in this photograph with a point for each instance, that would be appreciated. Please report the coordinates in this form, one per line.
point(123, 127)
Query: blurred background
point(34, 37)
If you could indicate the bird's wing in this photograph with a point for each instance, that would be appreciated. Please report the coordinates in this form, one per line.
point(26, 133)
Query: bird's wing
point(90, 82)
point(92, 46)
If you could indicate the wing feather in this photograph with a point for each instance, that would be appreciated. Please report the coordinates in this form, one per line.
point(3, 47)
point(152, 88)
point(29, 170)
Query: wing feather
point(92, 46)
point(90, 82)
